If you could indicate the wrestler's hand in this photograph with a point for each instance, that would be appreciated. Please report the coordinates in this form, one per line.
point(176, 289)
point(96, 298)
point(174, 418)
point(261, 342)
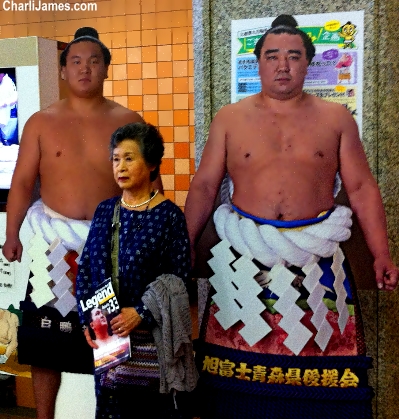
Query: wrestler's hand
point(386, 273)
point(12, 249)
point(125, 322)
point(89, 340)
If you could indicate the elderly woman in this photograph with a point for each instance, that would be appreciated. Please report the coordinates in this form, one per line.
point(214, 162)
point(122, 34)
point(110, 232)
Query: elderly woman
point(153, 249)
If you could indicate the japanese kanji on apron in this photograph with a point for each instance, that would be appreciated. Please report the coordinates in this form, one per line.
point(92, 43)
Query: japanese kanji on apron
point(282, 334)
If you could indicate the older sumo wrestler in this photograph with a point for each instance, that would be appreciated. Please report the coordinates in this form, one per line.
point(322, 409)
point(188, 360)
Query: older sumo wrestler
point(66, 147)
point(282, 335)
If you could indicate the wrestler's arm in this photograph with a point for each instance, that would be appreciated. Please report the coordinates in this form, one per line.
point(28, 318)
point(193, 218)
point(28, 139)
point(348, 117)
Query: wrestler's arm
point(366, 202)
point(207, 180)
point(22, 185)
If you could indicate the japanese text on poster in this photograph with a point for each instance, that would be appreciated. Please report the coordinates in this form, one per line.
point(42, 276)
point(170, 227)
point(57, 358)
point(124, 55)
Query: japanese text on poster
point(335, 73)
point(6, 272)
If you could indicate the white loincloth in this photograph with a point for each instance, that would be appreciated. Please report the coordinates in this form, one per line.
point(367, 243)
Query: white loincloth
point(55, 235)
point(52, 225)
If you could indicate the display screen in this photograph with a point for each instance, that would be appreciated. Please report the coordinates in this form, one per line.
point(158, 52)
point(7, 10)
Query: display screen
point(9, 141)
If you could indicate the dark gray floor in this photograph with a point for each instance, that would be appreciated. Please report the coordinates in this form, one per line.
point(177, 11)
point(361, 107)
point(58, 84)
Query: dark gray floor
point(17, 413)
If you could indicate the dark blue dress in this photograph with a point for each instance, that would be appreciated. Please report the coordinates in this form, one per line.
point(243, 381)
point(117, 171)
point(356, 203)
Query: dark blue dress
point(151, 243)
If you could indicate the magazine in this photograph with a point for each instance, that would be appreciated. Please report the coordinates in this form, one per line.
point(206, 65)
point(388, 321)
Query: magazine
point(99, 308)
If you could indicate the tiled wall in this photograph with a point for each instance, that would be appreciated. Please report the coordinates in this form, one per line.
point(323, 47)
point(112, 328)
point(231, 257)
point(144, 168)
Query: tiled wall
point(151, 72)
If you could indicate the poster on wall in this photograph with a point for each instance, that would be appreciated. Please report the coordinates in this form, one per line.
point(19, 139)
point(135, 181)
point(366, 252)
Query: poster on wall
point(335, 73)
point(7, 275)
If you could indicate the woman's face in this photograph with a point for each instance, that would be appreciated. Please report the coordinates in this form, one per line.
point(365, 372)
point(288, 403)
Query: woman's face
point(131, 171)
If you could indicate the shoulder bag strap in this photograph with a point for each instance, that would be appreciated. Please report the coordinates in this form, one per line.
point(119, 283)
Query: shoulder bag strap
point(115, 247)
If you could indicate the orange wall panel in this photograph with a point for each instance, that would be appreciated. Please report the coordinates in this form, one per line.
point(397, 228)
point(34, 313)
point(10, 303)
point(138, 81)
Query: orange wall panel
point(150, 87)
point(164, 69)
point(165, 102)
point(167, 134)
point(151, 72)
point(135, 103)
point(182, 150)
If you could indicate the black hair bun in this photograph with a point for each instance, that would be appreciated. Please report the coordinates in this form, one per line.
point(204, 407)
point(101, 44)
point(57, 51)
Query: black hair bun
point(86, 31)
point(284, 20)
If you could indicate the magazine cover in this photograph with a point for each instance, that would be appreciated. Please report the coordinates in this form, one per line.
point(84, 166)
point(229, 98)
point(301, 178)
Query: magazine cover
point(99, 308)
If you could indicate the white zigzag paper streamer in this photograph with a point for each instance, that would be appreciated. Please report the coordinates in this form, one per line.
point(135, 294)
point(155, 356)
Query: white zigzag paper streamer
point(275, 248)
point(237, 293)
point(298, 334)
point(62, 235)
point(315, 301)
point(42, 293)
point(342, 308)
point(66, 301)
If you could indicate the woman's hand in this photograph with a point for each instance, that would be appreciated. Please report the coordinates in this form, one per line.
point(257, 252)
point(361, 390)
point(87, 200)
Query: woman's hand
point(125, 322)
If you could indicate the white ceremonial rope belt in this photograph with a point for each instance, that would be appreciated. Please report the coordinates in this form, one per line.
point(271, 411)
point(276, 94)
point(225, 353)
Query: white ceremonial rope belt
point(271, 246)
point(277, 249)
point(54, 237)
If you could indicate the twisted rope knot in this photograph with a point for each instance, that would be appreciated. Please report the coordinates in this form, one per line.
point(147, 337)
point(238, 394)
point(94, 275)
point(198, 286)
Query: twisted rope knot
point(73, 233)
point(272, 246)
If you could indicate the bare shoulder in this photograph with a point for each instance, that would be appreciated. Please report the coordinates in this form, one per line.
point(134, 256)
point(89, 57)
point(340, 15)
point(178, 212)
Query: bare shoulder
point(53, 113)
point(229, 113)
point(121, 113)
point(36, 122)
point(247, 103)
point(326, 106)
point(46, 114)
point(337, 113)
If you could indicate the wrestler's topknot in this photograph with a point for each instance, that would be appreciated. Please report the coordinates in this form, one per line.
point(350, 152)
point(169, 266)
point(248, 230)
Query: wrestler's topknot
point(285, 20)
point(87, 34)
point(86, 31)
point(287, 24)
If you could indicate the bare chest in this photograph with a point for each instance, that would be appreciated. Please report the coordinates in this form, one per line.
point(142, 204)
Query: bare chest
point(302, 137)
point(75, 141)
